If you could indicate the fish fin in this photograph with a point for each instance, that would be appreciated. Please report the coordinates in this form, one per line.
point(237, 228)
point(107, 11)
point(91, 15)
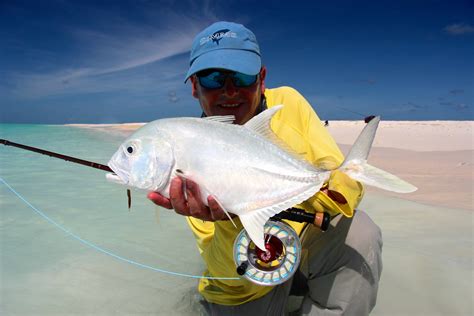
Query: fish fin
point(180, 174)
point(376, 177)
point(225, 211)
point(361, 148)
point(227, 119)
point(260, 124)
point(254, 223)
point(355, 165)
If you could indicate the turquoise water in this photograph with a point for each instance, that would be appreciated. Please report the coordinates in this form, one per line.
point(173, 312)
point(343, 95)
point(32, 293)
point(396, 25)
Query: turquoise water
point(44, 270)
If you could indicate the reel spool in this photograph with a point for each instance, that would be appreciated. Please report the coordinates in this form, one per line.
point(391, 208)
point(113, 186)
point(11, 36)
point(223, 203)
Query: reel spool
point(277, 263)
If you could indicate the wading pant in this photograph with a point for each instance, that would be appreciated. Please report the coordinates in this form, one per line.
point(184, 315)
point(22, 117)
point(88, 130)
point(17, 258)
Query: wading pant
point(338, 274)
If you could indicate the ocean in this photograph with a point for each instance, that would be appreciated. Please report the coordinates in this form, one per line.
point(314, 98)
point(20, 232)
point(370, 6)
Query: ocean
point(69, 244)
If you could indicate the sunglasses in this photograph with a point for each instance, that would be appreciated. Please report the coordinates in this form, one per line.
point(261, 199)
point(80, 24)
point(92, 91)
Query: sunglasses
point(215, 79)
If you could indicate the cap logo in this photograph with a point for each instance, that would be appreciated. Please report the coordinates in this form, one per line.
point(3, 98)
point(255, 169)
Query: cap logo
point(217, 36)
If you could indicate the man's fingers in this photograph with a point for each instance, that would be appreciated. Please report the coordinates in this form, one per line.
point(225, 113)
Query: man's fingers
point(177, 199)
point(192, 188)
point(185, 198)
point(196, 207)
point(216, 210)
point(159, 200)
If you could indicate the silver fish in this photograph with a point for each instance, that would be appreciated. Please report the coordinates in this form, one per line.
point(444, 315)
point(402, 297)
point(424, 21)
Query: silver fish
point(249, 171)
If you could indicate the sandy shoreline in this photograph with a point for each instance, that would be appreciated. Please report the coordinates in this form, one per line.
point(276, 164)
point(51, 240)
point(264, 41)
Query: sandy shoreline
point(435, 156)
point(411, 135)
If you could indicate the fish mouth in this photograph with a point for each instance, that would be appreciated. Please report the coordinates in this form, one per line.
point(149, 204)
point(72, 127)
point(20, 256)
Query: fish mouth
point(123, 177)
point(118, 176)
point(112, 177)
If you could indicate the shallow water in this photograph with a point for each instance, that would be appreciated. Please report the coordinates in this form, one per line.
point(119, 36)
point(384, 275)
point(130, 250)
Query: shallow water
point(46, 271)
point(427, 250)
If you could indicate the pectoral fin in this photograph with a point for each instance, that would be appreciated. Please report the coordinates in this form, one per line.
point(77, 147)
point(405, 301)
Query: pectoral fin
point(254, 223)
point(225, 211)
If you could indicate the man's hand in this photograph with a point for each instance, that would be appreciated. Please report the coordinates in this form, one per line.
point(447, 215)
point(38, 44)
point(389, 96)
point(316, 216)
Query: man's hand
point(190, 204)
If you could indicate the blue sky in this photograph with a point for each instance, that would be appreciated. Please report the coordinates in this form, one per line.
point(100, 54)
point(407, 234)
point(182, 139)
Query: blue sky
point(124, 61)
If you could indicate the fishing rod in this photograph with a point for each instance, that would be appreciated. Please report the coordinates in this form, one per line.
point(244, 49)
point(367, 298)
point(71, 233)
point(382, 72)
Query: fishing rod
point(57, 155)
point(79, 161)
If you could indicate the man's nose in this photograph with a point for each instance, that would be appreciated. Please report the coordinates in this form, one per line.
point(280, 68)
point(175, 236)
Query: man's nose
point(229, 87)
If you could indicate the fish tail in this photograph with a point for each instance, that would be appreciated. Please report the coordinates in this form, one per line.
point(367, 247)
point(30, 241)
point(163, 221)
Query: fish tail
point(355, 165)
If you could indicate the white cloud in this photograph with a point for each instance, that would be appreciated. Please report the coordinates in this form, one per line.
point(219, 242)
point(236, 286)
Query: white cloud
point(459, 29)
point(108, 56)
point(129, 45)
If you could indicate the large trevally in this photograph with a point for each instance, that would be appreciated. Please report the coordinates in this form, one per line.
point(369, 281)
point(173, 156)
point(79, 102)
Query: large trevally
point(249, 171)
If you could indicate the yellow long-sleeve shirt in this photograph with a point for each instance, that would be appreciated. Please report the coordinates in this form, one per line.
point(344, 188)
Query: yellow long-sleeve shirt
point(298, 126)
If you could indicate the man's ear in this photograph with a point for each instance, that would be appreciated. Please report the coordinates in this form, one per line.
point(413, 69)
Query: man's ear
point(194, 87)
point(263, 74)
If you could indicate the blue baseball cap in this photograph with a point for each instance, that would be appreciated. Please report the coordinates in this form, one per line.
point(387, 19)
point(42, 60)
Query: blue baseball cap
point(225, 45)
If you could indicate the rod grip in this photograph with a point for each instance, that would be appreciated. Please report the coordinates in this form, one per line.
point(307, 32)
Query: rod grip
point(321, 220)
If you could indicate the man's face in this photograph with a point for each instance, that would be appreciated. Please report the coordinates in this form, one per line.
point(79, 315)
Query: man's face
point(242, 102)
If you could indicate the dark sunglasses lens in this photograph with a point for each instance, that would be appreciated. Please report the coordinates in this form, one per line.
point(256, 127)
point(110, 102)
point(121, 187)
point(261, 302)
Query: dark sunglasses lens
point(243, 80)
point(216, 79)
point(211, 80)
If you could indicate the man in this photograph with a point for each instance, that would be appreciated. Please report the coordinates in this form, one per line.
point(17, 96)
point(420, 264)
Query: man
point(340, 268)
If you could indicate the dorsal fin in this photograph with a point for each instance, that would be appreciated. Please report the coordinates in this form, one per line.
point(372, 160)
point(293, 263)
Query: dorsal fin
point(228, 119)
point(260, 124)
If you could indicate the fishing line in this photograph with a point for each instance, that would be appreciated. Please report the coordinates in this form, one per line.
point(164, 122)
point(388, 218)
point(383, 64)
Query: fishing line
point(350, 111)
point(102, 250)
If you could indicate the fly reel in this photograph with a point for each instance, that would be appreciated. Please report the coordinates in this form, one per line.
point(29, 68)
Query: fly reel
point(281, 257)
point(277, 263)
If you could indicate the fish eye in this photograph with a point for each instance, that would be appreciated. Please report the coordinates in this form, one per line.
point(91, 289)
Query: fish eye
point(131, 148)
